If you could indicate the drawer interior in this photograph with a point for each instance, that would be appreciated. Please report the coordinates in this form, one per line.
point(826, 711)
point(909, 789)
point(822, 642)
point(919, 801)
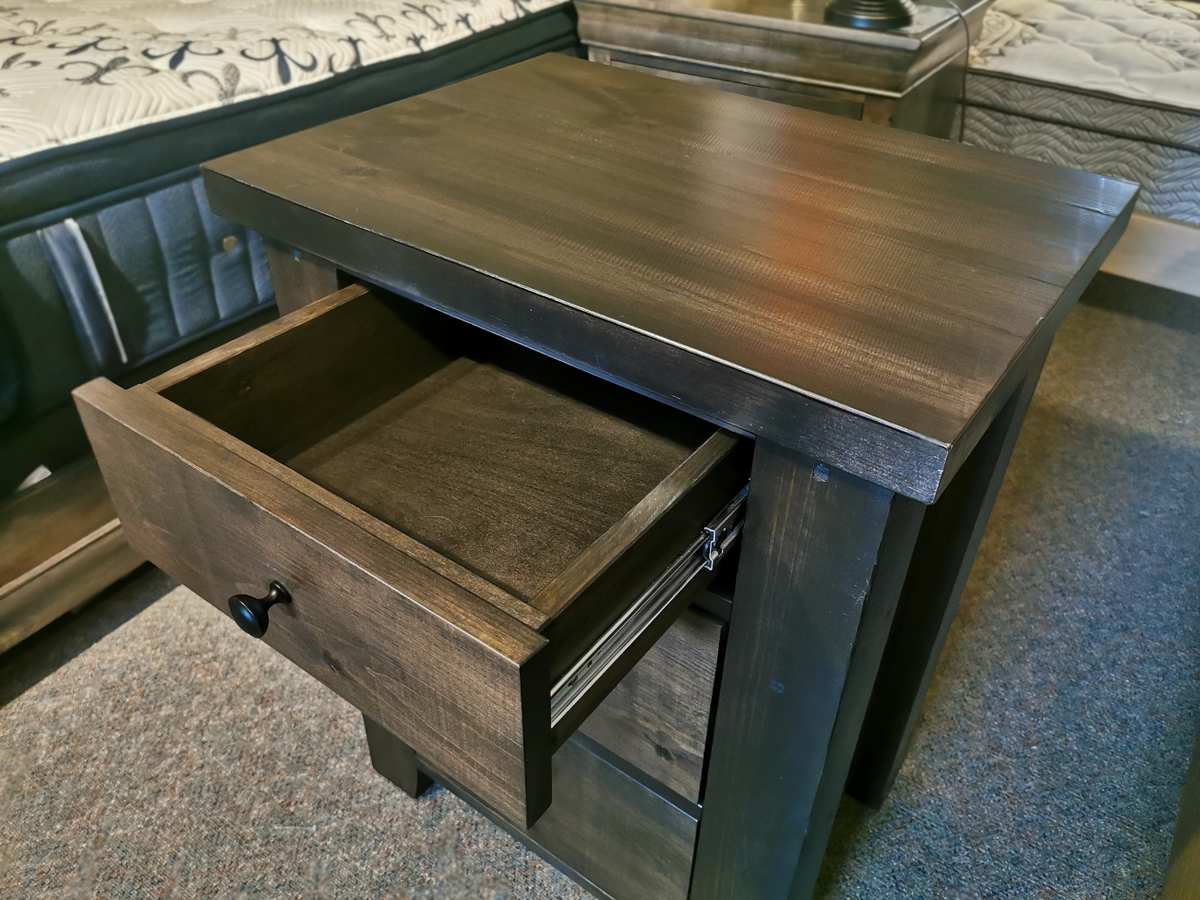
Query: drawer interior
point(506, 462)
point(499, 469)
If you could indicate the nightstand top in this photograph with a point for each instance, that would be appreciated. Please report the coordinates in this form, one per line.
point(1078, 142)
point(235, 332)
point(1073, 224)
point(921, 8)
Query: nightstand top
point(861, 294)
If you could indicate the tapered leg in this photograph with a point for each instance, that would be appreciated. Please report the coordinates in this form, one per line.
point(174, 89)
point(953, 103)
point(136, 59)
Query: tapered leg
point(395, 760)
point(823, 561)
point(945, 551)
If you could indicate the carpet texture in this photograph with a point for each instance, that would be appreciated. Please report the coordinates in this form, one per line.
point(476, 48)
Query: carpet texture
point(149, 749)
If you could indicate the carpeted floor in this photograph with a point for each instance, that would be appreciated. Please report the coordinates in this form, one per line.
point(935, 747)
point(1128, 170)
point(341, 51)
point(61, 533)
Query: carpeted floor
point(151, 750)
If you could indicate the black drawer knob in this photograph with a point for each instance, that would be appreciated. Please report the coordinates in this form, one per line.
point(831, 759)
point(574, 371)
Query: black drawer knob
point(251, 612)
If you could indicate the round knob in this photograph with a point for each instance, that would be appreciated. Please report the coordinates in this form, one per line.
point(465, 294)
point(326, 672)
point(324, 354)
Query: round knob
point(251, 612)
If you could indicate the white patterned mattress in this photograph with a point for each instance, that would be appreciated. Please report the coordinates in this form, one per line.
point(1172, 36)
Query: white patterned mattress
point(109, 255)
point(1111, 86)
point(98, 94)
point(71, 70)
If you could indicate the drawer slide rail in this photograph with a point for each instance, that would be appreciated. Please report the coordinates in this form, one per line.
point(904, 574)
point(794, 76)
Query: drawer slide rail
point(703, 555)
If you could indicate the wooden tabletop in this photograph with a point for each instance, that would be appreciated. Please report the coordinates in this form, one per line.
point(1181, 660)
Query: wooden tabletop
point(861, 294)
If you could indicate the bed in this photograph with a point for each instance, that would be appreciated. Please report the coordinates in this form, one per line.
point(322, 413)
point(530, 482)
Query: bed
point(111, 262)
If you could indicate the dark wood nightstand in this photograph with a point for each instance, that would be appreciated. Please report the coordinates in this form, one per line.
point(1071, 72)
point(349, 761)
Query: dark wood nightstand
point(909, 78)
point(482, 490)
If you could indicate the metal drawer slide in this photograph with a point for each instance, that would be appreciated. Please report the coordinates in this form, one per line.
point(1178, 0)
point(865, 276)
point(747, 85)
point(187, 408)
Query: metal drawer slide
point(703, 555)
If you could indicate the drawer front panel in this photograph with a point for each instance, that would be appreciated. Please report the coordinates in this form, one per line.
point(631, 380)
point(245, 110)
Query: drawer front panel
point(847, 104)
point(657, 717)
point(464, 684)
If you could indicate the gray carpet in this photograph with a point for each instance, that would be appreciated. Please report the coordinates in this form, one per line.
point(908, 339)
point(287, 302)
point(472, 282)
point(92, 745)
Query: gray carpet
point(150, 750)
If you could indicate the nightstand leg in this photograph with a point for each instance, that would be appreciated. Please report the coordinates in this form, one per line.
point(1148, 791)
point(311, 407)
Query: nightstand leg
point(299, 278)
point(946, 548)
point(823, 561)
point(395, 760)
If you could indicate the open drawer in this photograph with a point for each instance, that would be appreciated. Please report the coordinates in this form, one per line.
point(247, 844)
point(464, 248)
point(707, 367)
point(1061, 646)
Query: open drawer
point(471, 542)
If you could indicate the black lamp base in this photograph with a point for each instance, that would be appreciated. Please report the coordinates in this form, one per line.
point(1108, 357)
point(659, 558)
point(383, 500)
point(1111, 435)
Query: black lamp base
point(878, 15)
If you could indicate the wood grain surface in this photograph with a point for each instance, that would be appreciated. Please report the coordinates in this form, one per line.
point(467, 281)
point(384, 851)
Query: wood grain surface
point(285, 385)
point(822, 564)
point(60, 544)
point(835, 101)
point(430, 512)
point(394, 759)
point(298, 279)
point(606, 829)
point(551, 494)
point(505, 475)
point(657, 717)
point(850, 291)
point(46, 518)
point(945, 551)
point(785, 39)
point(460, 680)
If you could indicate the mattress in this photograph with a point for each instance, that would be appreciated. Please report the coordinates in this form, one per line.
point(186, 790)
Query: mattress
point(98, 95)
point(1110, 86)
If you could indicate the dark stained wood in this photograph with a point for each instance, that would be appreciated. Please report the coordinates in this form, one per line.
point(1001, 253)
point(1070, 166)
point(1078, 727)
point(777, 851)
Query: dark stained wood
point(909, 78)
point(60, 544)
point(822, 564)
point(489, 498)
point(615, 831)
point(926, 107)
point(299, 279)
point(945, 551)
point(463, 682)
point(777, 37)
point(505, 475)
point(614, 571)
point(606, 829)
point(395, 760)
point(303, 376)
point(836, 102)
point(291, 381)
point(565, 506)
point(64, 581)
point(50, 516)
point(515, 478)
point(657, 717)
point(606, 555)
point(791, 275)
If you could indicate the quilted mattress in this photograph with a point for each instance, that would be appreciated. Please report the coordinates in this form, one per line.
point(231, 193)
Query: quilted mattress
point(109, 255)
point(1110, 86)
point(97, 95)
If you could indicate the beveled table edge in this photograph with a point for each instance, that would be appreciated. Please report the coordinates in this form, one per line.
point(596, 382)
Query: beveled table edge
point(907, 38)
